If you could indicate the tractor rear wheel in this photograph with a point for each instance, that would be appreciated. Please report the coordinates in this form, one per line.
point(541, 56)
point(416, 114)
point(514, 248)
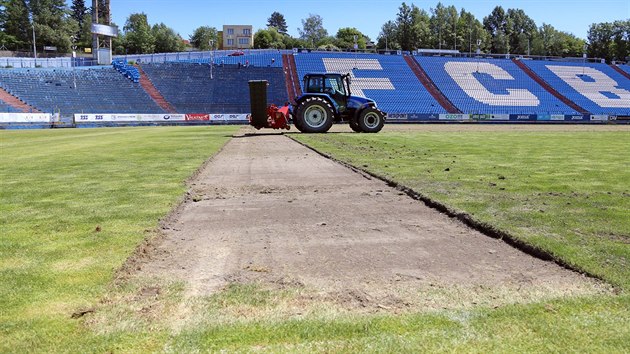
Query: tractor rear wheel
point(314, 115)
point(371, 120)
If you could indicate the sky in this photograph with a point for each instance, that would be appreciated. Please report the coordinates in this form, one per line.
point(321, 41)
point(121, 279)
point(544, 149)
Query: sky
point(573, 16)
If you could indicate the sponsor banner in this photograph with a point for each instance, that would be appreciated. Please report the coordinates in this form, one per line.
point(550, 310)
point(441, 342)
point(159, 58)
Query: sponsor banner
point(556, 117)
point(625, 118)
point(490, 116)
point(25, 118)
point(105, 30)
point(454, 116)
point(197, 117)
point(523, 117)
point(423, 116)
point(228, 117)
point(91, 118)
point(574, 117)
point(398, 116)
point(599, 117)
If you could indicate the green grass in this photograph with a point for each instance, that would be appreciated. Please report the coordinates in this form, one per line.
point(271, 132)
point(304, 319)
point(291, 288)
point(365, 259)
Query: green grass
point(566, 192)
point(58, 186)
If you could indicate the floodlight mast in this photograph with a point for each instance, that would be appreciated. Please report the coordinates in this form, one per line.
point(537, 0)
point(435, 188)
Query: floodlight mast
point(96, 44)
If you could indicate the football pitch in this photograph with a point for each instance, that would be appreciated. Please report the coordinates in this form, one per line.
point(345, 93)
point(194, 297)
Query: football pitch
point(77, 204)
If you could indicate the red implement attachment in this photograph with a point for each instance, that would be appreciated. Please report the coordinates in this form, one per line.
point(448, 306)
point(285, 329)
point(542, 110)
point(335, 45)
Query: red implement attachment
point(277, 118)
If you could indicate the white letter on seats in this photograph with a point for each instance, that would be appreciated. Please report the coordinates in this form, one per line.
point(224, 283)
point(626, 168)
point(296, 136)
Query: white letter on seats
point(343, 65)
point(462, 73)
point(593, 90)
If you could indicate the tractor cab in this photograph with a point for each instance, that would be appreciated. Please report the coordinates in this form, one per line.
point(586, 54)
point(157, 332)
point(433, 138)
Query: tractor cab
point(337, 86)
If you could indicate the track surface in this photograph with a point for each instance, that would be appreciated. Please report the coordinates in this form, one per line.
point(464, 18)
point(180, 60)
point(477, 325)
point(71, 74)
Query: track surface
point(270, 211)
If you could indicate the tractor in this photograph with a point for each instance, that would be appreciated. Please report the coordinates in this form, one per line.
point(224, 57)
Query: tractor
point(327, 99)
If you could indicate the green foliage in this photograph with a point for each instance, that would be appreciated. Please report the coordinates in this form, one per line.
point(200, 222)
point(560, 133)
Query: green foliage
point(166, 39)
point(328, 46)
point(277, 21)
point(313, 31)
point(270, 38)
point(53, 24)
point(139, 38)
point(16, 25)
point(610, 41)
point(443, 26)
point(469, 31)
point(558, 43)
point(345, 38)
point(79, 11)
point(387, 38)
point(202, 36)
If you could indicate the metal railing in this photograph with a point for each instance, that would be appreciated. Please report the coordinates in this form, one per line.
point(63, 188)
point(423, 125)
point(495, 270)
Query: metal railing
point(12, 62)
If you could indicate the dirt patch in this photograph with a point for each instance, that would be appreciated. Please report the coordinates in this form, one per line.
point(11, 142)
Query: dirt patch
point(269, 211)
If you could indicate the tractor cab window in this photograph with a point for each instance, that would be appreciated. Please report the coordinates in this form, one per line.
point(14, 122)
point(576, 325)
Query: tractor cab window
point(335, 83)
point(315, 85)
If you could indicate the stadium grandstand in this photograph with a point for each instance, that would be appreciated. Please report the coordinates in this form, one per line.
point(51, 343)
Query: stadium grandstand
point(421, 87)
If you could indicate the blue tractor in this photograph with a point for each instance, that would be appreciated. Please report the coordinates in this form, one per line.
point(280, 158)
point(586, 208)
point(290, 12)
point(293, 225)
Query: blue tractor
point(326, 99)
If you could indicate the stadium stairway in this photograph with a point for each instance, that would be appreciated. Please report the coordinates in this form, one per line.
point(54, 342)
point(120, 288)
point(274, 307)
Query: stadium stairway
point(154, 93)
point(621, 71)
point(430, 86)
point(291, 78)
point(548, 87)
point(16, 103)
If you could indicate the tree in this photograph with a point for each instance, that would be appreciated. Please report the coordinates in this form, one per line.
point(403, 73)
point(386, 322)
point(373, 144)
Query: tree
point(53, 24)
point(269, 38)
point(610, 41)
point(313, 31)
point(387, 38)
point(443, 24)
point(404, 27)
point(78, 11)
point(345, 38)
point(521, 29)
point(497, 26)
point(138, 35)
point(202, 36)
point(621, 40)
point(470, 30)
point(166, 39)
point(16, 27)
point(277, 21)
point(421, 27)
point(600, 40)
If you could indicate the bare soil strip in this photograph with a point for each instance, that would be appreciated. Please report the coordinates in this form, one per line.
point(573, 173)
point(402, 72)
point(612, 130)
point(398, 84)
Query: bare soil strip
point(269, 211)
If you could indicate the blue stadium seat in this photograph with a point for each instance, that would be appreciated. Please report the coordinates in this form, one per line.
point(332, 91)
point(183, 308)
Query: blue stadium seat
point(98, 90)
point(189, 88)
point(386, 79)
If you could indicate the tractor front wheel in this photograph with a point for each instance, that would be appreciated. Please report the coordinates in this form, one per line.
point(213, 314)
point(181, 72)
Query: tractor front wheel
point(354, 125)
point(371, 120)
point(314, 115)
